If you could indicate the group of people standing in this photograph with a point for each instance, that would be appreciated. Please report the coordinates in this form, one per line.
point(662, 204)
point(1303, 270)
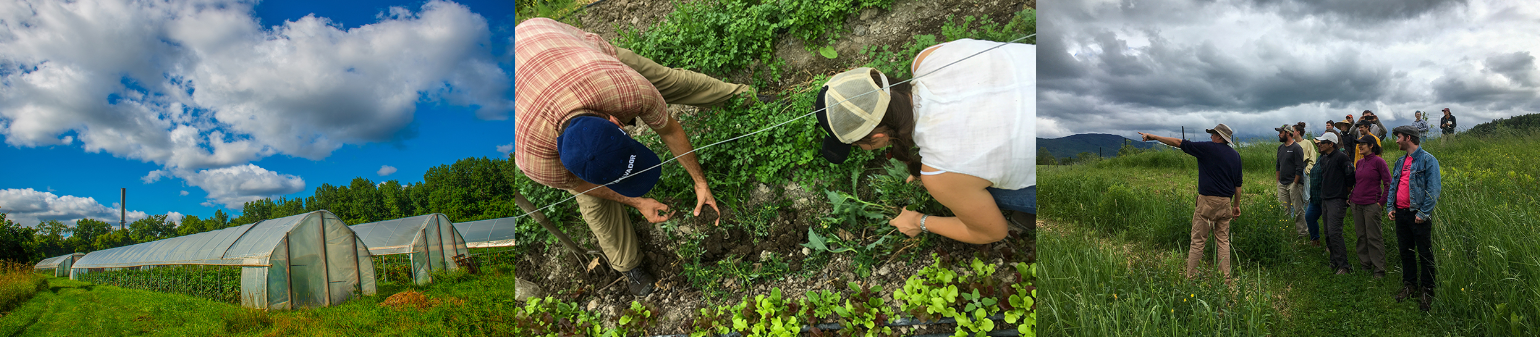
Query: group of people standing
point(1343, 172)
point(1337, 171)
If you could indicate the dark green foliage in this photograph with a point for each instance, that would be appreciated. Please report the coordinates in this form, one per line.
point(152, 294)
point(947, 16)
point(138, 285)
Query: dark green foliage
point(1498, 126)
point(218, 283)
point(717, 37)
point(895, 62)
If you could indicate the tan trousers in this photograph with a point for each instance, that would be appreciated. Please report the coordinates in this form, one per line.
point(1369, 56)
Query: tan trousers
point(612, 227)
point(1212, 215)
point(1293, 197)
point(681, 86)
point(1371, 242)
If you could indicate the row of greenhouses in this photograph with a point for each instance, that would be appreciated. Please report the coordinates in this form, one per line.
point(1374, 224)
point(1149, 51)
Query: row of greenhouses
point(303, 261)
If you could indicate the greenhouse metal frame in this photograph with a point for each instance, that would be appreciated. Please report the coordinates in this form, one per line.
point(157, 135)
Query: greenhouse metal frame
point(60, 264)
point(431, 240)
point(488, 233)
point(302, 261)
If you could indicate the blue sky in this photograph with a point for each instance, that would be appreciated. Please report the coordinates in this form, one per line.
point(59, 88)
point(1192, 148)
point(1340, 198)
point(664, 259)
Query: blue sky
point(240, 102)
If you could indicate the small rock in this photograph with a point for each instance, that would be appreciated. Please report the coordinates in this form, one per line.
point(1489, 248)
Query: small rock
point(525, 290)
point(634, 20)
point(868, 14)
point(860, 30)
point(593, 304)
point(765, 255)
point(883, 271)
point(686, 229)
point(806, 252)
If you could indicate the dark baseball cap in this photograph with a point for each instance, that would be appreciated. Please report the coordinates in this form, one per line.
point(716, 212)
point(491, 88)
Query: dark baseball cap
point(598, 151)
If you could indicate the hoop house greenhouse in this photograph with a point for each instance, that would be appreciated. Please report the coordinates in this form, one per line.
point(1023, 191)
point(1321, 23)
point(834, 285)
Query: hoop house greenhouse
point(60, 264)
point(431, 240)
point(302, 261)
point(488, 233)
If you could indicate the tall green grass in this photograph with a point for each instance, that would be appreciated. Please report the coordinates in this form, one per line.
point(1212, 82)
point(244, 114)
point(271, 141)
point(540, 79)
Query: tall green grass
point(17, 284)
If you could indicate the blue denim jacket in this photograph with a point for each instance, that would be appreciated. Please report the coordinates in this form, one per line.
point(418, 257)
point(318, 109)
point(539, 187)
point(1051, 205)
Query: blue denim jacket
point(1424, 183)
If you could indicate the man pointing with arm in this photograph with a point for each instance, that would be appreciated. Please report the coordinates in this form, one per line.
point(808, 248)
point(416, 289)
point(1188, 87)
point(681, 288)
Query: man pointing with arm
point(1219, 192)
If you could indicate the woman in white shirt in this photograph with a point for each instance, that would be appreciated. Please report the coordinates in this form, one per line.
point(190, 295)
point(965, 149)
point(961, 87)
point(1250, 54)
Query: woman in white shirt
point(966, 130)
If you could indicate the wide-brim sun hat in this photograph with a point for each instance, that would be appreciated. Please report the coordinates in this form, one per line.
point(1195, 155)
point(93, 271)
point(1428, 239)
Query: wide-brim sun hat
point(858, 105)
point(1223, 131)
point(598, 151)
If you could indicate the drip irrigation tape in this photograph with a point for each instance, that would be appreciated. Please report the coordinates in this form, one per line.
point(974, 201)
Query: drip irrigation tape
point(901, 322)
point(542, 209)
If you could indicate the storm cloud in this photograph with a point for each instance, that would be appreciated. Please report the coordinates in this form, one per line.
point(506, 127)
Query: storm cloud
point(1122, 67)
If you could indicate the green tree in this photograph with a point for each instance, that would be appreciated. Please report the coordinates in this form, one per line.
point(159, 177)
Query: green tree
point(1045, 158)
point(86, 232)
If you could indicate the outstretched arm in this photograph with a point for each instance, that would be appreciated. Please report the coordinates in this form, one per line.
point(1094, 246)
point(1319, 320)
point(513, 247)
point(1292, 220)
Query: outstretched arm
point(673, 135)
point(978, 219)
point(1174, 142)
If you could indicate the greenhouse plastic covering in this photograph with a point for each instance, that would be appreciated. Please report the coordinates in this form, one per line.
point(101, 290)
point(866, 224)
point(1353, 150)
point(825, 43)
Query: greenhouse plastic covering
point(488, 233)
point(301, 261)
point(60, 264)
point(431, 239)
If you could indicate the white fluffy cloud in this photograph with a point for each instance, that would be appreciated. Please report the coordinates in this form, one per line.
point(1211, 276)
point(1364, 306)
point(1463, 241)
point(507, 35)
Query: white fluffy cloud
point(28, 207)
point(200, 84)
point(234, 186)
point(505, 148)
point(386, 170)
point(184, 193)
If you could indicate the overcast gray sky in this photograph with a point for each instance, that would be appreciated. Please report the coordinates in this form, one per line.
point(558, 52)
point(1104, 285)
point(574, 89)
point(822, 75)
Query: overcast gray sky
point(1122, 67)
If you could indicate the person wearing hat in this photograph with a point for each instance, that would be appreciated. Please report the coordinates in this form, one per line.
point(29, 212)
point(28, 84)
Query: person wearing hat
point(1219, 193)
point(966, 131)
point(1446, 123)
point(1345, 132)
point(574, 92)
point(1336, 185)
point(1371, 180)
point(1289, 172)
point(1364, 134)
point(1310, 155)
point(1414, 189)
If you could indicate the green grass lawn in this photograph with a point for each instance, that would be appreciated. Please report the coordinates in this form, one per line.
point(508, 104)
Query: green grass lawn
point(457, 304)
point(1127, 219)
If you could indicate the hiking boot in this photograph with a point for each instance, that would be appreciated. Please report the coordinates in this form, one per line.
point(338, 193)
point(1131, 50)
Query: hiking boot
point(1315, 242)
point(1425, 302)
point(1342, 271)
point(1022, 220)
point(1406, 291)
point(1379, 275)
point(640, 281)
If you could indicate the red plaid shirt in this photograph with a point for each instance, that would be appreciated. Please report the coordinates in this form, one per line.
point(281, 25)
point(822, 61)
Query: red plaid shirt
point(562, 72)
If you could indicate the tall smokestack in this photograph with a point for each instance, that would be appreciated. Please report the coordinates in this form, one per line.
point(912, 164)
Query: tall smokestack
point(123, 210)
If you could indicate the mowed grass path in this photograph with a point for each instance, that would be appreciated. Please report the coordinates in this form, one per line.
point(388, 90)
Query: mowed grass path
point(456, 305)
point(1114, 247)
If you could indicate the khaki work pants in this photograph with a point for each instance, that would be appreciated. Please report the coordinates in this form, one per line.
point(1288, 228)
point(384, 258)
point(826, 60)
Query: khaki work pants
point(1292, 197)
point(1212, 215)
point(681, 86)
point(611, 225)
point(1371, 242)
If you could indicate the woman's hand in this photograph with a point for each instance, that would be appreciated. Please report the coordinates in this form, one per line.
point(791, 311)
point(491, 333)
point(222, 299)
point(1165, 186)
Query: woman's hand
point(907, 222)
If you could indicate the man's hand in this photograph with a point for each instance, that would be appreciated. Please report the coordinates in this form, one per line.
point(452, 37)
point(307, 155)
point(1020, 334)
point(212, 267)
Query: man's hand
point(653, 210)
point(703, 197)
point(1391, 215)
point(1419, 219)
point(1237, 211)
point(1146, 137)
point(907, 222)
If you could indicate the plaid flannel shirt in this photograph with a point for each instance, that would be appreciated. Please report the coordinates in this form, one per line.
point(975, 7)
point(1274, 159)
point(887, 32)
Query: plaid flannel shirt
point(562, 72)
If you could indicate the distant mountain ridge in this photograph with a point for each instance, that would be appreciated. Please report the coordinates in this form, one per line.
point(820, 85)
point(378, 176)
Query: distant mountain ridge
point(1073, 145)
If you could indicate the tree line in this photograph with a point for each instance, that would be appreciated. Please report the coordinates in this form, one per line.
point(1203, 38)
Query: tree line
point(469, 189)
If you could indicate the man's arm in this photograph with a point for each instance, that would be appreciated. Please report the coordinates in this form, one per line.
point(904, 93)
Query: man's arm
point(1299, 165)
point(674, 137)
point(1434, 186)
point(653, 210)
point(1174, 142)
point(1235, 201)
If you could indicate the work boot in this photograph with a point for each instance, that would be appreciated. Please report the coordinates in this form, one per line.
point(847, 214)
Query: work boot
point(1426, 301)
point(1023, 220)
point(1406, 291)
point(640, 281)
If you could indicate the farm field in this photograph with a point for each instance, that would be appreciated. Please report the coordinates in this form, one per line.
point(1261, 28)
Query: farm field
point(778, 197)
point(1131, 217)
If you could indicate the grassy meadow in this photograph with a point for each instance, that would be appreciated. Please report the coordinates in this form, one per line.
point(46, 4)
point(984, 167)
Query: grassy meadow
point(1116, 237)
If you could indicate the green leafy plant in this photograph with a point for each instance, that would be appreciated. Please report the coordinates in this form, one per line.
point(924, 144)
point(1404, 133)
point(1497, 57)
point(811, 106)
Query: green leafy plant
point(551, 317)
point(1021, 307)
point(864, 313)
point(929, 295)
point(634, 321)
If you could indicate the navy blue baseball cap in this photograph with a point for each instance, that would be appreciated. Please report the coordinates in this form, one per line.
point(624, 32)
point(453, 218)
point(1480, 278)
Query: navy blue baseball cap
point(599, 152)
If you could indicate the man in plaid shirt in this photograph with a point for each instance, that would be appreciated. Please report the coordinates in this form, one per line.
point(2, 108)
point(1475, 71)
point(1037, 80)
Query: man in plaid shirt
point(573, 90)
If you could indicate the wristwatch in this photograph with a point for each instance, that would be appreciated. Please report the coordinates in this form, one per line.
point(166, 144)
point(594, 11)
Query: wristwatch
point(922, 223)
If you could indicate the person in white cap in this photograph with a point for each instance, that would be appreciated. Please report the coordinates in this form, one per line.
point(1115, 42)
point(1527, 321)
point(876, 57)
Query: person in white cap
point(1219, 185)
point(967, 132)
point(1337, 179)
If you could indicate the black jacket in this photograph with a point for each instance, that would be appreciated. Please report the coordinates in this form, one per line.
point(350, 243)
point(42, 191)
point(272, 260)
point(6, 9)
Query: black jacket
point(1336, 175)
point(1446, 119)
